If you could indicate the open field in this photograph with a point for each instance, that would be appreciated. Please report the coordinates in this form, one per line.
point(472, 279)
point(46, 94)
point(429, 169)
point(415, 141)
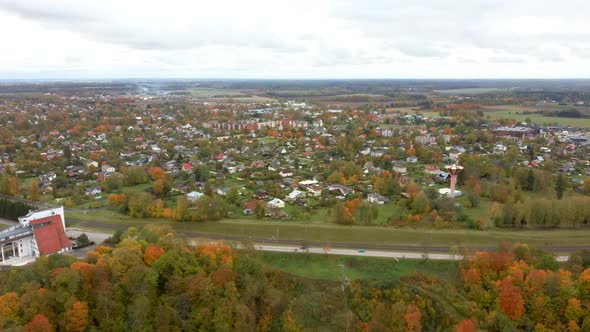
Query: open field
point(469, 91)
point(330, 267)
point(539, 118)
point(331, 233)
point(208, 93)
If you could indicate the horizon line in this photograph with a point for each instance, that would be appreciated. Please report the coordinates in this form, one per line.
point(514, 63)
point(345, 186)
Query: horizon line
point(294, 79)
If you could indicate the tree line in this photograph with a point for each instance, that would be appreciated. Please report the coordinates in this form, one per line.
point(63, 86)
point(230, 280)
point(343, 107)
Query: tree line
point(12, 210)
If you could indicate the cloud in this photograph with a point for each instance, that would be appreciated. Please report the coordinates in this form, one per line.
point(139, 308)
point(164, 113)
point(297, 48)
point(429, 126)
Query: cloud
point(268, 38)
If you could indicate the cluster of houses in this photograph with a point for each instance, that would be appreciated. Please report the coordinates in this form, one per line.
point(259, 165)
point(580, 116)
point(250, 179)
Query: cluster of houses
point(232, 139)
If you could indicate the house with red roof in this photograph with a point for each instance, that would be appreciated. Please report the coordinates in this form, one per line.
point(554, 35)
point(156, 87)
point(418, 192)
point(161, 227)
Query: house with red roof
point(38, 233)
point(187, 167)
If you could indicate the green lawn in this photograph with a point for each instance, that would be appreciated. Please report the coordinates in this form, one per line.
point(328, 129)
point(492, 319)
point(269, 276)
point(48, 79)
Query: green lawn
point(332, 267)
point(331, 233)
point(137, 188)
point(538, 118)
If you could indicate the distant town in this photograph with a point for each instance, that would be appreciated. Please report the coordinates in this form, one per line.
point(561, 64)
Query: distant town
point(256, 154)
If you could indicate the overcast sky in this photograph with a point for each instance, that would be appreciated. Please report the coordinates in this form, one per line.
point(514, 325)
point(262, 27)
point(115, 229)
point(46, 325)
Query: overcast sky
point(294, 39)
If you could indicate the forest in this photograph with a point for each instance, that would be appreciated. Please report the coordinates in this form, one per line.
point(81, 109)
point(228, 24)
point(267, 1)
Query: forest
point(151, 280)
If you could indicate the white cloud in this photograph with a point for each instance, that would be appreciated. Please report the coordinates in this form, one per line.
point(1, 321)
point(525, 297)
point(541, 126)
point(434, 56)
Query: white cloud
point(269, 38)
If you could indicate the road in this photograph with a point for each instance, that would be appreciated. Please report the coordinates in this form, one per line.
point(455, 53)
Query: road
point(8, 222)
point(371, 250)
point(370, 253)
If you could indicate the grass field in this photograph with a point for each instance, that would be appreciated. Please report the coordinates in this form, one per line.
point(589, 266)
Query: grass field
point(469, 91)
point(331, 267)
point(523, 112)
point(539, 119)
point(207, 93)
point(331, 233)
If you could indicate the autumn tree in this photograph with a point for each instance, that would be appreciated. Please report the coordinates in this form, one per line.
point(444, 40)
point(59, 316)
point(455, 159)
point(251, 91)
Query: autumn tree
point(76, 317)
point(421, 203)
point(158, 187)
point(9, 185)
point(9, 309)
point(412, 318)
point(34, 191)
point(342, 214)
point(412, 189)
point(156, 173)
point(467, 325)
point(510, 299)
point(117, 199)
point(337, 177)
point(181, 210)
point(39, 323)
point(151, 254)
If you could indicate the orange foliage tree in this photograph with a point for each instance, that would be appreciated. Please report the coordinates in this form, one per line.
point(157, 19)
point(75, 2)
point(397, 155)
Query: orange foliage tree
point(151, 254)
point(412, 190)
point(412, 318)
point(510, 299)
point(466, 325)
point(157, 173)
point(9, 308)
point(353, 205)
point(217, 252)
point(76, 318)
point(39, 323)
point(117, 199)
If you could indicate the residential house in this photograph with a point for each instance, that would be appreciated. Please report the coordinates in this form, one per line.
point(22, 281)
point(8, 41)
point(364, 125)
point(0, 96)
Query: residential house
point(260, 194)
point(431, 169)
point(341, 189)
point(315, 190)
point(295, 194)
point(276, 203)
point(442, 177)
point(194, 196)
point(274, 165)
point(230, 169)
point(377, 198)
point(47, 177)
point(400, 168)
point(107, 169)
point(186, 167)
point(92, 191)
point(250, 207)
point(286, 172)
point(222, 191)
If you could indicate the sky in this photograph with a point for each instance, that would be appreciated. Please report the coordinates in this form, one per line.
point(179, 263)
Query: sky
point(81, 39)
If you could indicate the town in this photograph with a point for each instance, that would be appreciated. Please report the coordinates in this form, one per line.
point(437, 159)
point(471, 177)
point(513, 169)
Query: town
point(198, 154)
point(183, 195)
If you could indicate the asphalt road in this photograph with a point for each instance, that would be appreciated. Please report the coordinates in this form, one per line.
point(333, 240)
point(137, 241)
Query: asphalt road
point(370, 253)
point(318, 244)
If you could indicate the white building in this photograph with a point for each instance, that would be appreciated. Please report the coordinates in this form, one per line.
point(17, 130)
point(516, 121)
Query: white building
point(194, 196)
point(276, 203)
point(40, 232)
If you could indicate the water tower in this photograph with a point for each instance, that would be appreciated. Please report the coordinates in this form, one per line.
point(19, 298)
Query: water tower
point(453, 171)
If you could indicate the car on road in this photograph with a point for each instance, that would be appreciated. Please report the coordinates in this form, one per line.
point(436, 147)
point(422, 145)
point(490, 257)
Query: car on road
point(362, 251)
